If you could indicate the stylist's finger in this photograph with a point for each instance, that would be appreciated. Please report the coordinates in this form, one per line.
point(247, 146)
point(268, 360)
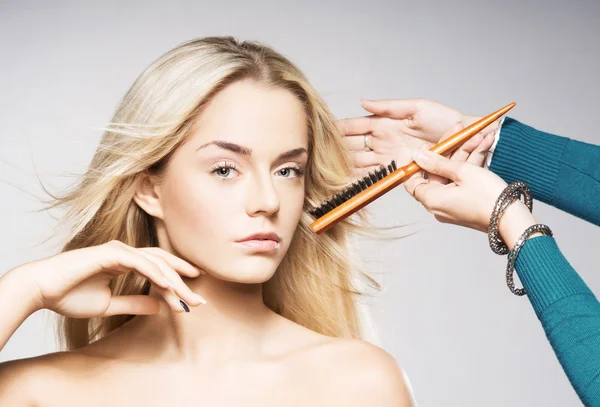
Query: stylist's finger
point(370, 158)
point(431, 196)
point(357, 173)
point(436, 179)
point(479, 155)
point(463, 152)
point(414, 181)
point(356, 125)
point(356, 143)
point(425, 176)
point(393, 108)
point(436, 164)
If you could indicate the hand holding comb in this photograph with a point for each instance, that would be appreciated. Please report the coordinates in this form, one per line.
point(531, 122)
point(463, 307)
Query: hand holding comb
point(371, 187)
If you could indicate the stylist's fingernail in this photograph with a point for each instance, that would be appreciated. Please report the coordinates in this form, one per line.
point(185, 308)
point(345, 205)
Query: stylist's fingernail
point(201, 299)
point(420, 156)
point(184, 306)
point(364, 101)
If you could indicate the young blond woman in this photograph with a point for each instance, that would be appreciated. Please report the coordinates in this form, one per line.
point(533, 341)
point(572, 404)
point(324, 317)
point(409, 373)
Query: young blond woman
point(196, 199)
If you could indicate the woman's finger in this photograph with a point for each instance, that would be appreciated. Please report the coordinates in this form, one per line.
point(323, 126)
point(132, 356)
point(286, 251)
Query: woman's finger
point(132, 305)
point(178, 286)
point(177, 263)
point(167, 281)
point(115, 255)
point(171, 299)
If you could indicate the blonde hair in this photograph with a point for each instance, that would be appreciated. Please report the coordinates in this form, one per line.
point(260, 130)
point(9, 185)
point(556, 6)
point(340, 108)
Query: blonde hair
point(314, 285)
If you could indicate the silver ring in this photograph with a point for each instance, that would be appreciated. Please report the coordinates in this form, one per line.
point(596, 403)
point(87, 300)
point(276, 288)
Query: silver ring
point(365, 142)
point(414, 194)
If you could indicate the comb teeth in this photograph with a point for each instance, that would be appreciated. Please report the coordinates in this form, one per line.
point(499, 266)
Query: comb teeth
point(356, 187)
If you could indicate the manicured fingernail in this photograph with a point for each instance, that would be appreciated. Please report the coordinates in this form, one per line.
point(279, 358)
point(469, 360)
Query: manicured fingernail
point(201, 299)
point(364, 101)
point(184, 306)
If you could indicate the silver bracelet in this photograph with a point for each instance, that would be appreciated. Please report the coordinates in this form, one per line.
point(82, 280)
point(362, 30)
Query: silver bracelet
point(510, 194)
point(512, 258)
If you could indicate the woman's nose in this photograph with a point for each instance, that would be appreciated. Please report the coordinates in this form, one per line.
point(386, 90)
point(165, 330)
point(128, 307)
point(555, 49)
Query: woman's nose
point(263, 197)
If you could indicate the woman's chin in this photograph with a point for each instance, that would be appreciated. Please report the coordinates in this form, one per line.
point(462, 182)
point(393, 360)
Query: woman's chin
point(248, 277)
point(257, 271)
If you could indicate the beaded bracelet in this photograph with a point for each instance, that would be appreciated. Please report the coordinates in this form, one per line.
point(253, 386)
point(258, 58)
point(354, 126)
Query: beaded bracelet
point(512, 257)
point(510, 194)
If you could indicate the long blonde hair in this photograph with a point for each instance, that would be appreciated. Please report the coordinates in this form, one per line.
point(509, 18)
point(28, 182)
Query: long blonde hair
point(314, 285)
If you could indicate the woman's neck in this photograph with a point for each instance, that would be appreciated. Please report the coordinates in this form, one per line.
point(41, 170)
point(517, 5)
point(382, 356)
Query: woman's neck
point(234, 324)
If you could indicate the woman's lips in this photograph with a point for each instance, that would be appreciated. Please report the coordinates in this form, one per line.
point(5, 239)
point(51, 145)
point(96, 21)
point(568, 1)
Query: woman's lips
point(259, 246)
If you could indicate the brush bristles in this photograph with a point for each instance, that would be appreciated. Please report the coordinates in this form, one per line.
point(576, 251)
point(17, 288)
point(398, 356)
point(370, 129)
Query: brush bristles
point(356, 187)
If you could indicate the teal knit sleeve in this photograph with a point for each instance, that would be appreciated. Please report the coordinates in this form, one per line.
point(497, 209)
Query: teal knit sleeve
point(568, 310)
point(561, 172)
point(566, 174)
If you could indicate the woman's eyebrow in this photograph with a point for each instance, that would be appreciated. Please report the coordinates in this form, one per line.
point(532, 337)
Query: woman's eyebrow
point(296, 152)
point(238, 149)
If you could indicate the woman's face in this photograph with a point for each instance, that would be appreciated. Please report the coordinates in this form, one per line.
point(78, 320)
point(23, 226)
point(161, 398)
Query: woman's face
point(233, 193)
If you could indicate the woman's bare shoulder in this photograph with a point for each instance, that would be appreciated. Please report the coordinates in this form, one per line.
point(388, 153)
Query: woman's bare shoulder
point(354, 370)
point(23, 381)
point(358, 373)
point(355, 356)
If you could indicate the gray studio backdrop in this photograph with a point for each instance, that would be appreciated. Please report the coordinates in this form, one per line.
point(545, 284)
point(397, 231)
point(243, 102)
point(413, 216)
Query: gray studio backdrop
point(445, 312)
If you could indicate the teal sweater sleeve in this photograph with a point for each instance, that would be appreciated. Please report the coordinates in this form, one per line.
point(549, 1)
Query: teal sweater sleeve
point(564, 173)
point(561, 172)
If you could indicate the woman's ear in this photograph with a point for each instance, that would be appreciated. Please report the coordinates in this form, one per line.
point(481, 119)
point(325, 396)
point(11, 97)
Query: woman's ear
point(147, 196)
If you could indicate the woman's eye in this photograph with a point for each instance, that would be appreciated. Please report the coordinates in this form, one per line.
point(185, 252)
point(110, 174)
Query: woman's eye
point(225, 171)
point(228, 171)
point(290, 172)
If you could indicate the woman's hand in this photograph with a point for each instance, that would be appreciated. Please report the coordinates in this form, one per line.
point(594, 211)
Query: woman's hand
point(76, 283)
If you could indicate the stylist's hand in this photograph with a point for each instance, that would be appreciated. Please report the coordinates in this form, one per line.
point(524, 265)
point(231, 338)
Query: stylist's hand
point(398, 128)
point(469, 199)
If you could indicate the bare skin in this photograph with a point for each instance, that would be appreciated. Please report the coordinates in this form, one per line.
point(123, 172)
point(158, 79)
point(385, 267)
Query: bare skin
point(293, 366)
point(232, 350)
point(458, 191)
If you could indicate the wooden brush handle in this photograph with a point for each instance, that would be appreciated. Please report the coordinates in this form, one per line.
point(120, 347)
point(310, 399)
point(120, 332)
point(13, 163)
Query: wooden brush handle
point(399, 176)
point(453, 142)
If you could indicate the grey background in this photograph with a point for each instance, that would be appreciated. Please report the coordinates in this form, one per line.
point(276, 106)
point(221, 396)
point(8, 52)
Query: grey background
point(445, 312)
